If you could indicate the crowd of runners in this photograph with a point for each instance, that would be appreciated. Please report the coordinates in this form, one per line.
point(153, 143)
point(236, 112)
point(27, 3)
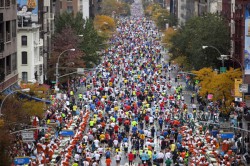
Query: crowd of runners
point(138, 111)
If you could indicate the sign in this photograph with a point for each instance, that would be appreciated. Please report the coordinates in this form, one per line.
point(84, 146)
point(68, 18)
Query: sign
point(28, 136)
point(238, 99)
point(28, 8)
point(21, 160)
point(67, 133)
point(247, 40)
point(243, 88)
point(80, 70)
point(227, 135)
point(225, 125)
point(223, 69)
point(210, 96)
point(237, 83)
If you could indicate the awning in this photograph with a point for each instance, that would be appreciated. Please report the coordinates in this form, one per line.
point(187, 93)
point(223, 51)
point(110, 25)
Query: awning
point(11, 88)
point(23, 95)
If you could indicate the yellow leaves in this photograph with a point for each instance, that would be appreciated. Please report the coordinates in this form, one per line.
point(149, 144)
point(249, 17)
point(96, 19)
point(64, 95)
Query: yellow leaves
point(33, 108)
point(168, 34)
point(220, 85)
point(104, 24)
point(36, 89)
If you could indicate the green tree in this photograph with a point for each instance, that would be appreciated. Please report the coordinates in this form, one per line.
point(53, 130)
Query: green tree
point(66, 20)
point(90, 44)
point(69, 28)
point(208, 30)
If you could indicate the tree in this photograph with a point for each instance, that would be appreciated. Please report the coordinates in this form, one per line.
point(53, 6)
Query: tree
point(14, 118)
point(66, 39)
point(168, 34)
point(111, 7)
point(208, 30)
point(37, 90)
point(68, 29)
point(104, 25)
point(67, 19)
point(220, 85)
point(161, 19)
point(33, 108)
point(90, 44)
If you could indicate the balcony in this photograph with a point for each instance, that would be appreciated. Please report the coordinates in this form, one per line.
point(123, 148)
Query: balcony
point(40, 44)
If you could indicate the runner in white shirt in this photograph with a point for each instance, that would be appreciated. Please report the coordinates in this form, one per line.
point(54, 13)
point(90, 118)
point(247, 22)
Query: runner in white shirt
point(85, 163)
point(117, 158)
point(100, 150)
point(96, 142)
point(151, 120)
point(97, 156)
point(115, 143)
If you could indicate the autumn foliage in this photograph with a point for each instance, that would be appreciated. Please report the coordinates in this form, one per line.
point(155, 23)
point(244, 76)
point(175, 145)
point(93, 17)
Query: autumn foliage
point(168, 34)
point(104, 24)
point(220, 85)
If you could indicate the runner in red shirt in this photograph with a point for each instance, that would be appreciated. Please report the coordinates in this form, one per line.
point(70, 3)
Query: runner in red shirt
point(116, 128)
point(130, 158)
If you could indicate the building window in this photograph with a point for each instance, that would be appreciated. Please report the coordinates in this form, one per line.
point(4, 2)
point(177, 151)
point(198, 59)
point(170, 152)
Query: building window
point(7, 3)
point(24, 76)
point(70, 9)
point(8, 32)
point(24, 40)
point(14, 61)
point(1, 3)
point(24, 58)
point(8, 65)
point(13, 28)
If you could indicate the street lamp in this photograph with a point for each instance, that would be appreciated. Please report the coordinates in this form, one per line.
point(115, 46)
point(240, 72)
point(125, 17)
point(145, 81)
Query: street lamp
point(57, 64)
point(221, 57)
point(12, 92)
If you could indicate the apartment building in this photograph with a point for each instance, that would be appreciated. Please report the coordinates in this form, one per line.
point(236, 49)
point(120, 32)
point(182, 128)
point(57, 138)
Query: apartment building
point(8, 48)
point(29, 46)
point(88, 8)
